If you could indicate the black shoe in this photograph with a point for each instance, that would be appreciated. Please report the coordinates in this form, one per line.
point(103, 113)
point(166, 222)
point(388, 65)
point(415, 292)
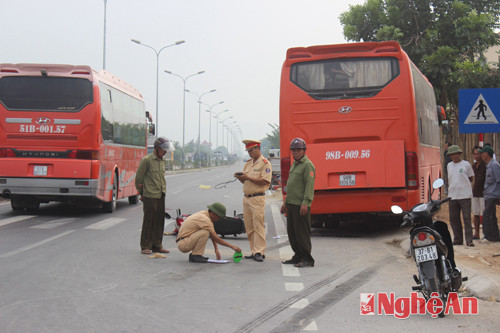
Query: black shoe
point(304, 264)
point(258, 257)
point(249, 257)
point(290, 262)
point(198, 259)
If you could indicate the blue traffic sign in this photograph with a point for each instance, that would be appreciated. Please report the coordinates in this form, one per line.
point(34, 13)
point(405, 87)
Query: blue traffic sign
point(479, 110)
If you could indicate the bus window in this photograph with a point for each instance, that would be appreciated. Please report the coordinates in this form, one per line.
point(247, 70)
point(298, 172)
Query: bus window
point(45, 93)
point(346, 78)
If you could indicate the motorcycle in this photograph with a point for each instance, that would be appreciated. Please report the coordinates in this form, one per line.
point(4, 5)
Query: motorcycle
point(431, 248)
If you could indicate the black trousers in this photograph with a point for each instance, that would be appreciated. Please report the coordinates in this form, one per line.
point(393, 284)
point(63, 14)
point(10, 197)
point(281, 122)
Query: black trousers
point(153, 223)
point(299, 233)
point(490, 222)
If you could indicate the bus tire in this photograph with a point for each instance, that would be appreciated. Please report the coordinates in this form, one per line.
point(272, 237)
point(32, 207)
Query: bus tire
point(133, 199)
point(109, 207)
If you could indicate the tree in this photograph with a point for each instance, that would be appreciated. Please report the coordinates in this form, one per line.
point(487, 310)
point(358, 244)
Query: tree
point(442, 37)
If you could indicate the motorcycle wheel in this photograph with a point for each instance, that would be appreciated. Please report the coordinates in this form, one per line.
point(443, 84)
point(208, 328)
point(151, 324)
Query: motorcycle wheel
point(434, 287)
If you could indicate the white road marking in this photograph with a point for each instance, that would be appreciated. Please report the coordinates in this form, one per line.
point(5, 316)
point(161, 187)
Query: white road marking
point(290, 270)
point(311, 327)
point(278, 223)
point(13, 219)
point(105, 224)
point(300, 304)
point(294, 286)
point(53, 224)
point(32, 246)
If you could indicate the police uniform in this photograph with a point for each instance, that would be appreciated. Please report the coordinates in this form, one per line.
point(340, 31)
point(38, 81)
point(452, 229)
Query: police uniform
point(254, 201)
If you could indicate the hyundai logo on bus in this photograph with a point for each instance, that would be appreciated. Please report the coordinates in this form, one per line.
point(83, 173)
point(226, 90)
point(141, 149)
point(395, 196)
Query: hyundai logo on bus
point(345, 109)
point(42, 121)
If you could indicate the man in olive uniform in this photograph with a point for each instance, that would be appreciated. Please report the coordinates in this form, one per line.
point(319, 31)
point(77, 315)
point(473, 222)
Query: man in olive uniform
point(152, 187)
point(256, 177)
point(299, 197)
point(195, 231)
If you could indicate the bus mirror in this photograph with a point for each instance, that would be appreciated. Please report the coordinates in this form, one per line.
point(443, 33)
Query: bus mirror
point(152, 129)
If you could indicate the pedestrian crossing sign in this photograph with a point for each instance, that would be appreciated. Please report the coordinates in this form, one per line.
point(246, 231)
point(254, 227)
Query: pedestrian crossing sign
point(479, 110)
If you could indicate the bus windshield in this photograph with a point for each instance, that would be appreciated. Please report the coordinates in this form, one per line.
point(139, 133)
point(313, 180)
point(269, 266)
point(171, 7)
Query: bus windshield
point(344, 78)
point(45, 93)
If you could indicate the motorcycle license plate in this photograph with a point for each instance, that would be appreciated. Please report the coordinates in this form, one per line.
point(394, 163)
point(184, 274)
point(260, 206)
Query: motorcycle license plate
point(426, 253)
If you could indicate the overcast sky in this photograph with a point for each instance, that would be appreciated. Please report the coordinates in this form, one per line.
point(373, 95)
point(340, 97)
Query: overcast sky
point(241, 46)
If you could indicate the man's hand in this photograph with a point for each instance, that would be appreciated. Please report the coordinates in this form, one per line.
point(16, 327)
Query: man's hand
point(217, 254)
point(283, 209)
point(304, 210)
point(236, 248)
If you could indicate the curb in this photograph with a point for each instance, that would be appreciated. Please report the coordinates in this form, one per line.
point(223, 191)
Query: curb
point(479, 285)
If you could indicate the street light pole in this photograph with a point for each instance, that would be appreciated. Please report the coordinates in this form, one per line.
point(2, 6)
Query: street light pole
point(223, 121)
point(199, 115)
point(157, 70)
point(184, 79)
point(104, 42)
point(210, 131)
point(217, 127)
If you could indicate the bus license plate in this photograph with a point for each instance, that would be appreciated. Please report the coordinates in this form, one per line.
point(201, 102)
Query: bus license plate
point(40, 170)
point(426, 253)
point(347, 180)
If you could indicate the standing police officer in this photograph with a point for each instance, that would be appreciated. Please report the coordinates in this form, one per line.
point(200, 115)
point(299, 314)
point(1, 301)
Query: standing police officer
point(299, 197)
point(152, 187)
point(255, 178)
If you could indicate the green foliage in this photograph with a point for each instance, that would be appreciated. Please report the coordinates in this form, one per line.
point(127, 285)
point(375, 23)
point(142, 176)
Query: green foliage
point(446, 39)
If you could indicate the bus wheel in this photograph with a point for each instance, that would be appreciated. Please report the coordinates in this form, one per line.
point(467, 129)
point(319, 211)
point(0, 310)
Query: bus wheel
point(109, 207)
point(133, 199)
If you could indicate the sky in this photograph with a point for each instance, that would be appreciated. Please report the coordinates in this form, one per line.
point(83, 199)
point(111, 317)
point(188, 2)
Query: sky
point(241, 46)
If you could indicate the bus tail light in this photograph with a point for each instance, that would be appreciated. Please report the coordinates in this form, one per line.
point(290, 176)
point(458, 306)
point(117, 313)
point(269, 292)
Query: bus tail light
point(84, 154)
point(285, 172)
point(7, 152)
point(411, 171)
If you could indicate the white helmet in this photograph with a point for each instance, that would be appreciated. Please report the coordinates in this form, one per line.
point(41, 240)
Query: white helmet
point(164, 144)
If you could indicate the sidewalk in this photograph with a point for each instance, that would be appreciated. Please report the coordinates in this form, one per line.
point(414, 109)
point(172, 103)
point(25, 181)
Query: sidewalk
point(481, 264)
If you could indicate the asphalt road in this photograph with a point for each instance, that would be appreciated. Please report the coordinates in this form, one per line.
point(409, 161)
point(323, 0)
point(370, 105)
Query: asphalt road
point(67, 268)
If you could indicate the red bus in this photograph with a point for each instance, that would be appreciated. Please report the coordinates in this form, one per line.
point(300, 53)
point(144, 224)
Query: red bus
point(68, 133)
point(371, 124)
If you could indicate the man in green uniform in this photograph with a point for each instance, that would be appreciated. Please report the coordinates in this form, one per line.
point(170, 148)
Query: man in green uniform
point(152, 187)
point(299, 196)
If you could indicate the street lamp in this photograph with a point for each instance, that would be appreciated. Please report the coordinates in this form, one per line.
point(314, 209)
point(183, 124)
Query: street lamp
point(199, 115)
point(104, 41)
point(210, 130)
point(222, 122)
point(217, 127)
point(157, 70)
point(184, 79)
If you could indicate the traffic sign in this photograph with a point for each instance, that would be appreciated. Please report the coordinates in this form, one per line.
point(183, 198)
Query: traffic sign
point(479, 110)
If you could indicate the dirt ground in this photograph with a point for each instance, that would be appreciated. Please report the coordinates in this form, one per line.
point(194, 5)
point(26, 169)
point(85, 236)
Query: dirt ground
point(480, 256)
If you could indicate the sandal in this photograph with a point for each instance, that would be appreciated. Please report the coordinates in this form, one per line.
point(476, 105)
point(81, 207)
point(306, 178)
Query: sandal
point(146, 251)
point(162, 250)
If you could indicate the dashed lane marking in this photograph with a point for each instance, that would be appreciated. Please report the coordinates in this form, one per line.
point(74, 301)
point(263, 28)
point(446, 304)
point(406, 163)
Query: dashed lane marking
point(300, 304)
point(13, 219)
point(53, 224)
point(294, 286)
point(32, 246)
point(105, 224)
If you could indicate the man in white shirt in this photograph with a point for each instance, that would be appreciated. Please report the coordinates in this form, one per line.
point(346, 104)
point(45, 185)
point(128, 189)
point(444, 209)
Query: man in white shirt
point(460, 175)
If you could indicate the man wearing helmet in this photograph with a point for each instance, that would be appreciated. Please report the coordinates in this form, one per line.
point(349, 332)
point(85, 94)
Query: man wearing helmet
point(256, 177)
point(299, 196)
point(152, 187)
